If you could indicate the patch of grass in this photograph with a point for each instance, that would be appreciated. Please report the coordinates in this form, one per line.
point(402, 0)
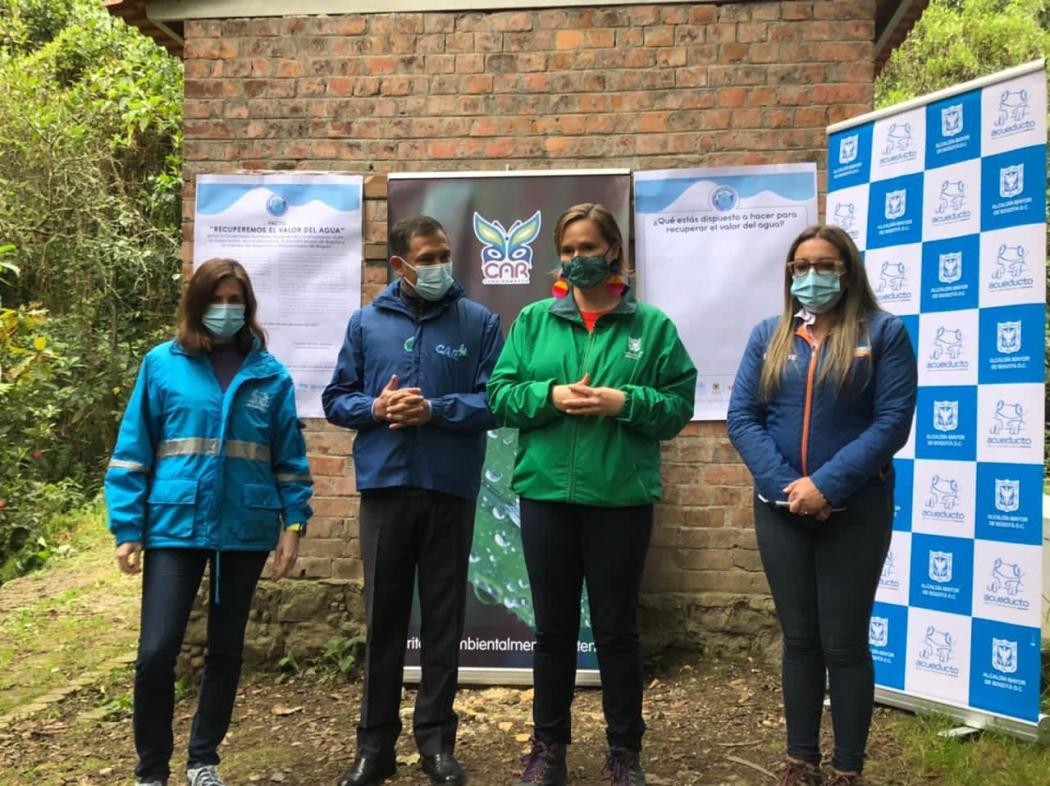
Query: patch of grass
point(73, 617)
point(989, 759)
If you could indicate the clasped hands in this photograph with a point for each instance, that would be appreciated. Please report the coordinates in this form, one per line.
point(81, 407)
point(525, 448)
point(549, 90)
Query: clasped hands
point(581, 399)
point(805, 499)
point(401, 407)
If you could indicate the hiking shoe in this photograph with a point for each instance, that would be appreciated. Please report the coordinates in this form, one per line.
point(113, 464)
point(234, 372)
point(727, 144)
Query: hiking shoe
point(800, 773)
point(544, 765)
point(843, 779)
point(204, 776)
point(623, 766)
point(151, 783)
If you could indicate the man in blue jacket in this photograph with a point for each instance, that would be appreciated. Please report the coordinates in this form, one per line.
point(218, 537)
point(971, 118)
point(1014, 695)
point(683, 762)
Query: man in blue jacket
point(411, 380)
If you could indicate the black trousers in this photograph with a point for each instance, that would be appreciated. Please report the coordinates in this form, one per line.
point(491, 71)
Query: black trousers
point(564, 546)
point(170, 579)
point(404, 535)
point(824, 576)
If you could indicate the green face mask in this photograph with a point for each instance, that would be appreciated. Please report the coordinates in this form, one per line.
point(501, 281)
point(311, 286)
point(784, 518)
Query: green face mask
point(586, 272)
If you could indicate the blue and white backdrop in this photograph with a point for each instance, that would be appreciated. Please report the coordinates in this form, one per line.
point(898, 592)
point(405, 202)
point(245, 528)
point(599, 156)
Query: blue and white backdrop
point(946, 197)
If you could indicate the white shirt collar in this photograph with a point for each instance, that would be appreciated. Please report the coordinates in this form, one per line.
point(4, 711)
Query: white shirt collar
point(807, 318)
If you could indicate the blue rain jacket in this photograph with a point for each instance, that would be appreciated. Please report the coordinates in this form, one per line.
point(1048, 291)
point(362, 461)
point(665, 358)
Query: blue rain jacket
point(449, 353)
point(196, 468)
point(844, 439)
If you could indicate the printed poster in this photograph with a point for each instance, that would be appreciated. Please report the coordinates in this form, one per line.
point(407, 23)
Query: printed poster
point(299, 237)
point(704, 238)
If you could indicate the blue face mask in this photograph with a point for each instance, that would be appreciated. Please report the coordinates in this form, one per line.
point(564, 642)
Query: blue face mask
point(432, 281)
point(818, 292)
point(224, 320)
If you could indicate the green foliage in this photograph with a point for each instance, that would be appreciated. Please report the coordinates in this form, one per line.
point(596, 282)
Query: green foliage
point(90, 178)
point(34, 487)
point(957, 41)
point(342, 654)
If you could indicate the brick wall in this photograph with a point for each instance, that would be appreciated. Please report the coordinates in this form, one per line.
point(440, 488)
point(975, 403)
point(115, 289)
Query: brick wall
point(640, 86)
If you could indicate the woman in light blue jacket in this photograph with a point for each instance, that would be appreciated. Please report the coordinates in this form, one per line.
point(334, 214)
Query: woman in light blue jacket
point(210, 466)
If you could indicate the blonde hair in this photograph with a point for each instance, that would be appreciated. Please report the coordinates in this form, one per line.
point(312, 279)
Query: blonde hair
point(603, 219)
point(852, 313)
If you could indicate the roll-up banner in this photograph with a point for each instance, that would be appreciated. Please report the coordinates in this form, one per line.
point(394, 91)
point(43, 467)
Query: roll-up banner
point(500, 226)
point(946, 197)
point(299, 237)
point(711, 247)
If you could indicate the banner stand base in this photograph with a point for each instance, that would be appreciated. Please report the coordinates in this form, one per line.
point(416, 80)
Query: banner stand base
point(972, 718)
point(473, 675)
point(959, 732)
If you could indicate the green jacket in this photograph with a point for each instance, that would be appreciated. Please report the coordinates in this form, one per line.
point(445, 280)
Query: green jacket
point(606, 461)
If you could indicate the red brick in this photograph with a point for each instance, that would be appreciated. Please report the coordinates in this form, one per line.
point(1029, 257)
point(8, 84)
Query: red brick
point(662, 35)
point(568, 39)
point(327, 465)
point(470, 64)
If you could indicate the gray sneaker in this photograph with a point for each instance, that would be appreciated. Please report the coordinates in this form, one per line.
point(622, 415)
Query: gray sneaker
point(151, 783)
point(204, 776)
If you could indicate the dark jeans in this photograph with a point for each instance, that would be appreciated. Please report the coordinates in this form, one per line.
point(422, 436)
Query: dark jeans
point(170, 579)
point(402, 535)
point(565, 545)
point(823, 576)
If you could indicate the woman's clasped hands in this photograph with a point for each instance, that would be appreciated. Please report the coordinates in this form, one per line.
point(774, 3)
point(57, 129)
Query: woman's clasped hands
point(805, 499)
point(582, 399)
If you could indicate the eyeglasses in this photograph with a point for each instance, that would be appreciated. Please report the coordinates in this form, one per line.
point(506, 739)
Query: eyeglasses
point(826, 266)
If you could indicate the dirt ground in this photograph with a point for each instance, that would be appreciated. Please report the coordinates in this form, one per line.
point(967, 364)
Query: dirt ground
point(67, 636)
point(708, 724)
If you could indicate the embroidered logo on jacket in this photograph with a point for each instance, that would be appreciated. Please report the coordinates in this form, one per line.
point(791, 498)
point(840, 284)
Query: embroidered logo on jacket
point(260, 401)
point(634, 349)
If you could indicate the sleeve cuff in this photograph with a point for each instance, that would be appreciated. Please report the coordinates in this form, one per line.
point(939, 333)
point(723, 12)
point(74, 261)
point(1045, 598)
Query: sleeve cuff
point(627, 412)
point(437, 411)
point(127, 534)
point(827, 488)
point(296, 516)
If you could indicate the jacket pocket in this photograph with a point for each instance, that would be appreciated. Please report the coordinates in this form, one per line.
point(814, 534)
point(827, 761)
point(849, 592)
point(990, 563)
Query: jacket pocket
point(262, 513)
point(172, 507)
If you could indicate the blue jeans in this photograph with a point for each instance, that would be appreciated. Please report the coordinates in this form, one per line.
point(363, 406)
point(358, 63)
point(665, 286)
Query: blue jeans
point(170, 579)
point(823, 576)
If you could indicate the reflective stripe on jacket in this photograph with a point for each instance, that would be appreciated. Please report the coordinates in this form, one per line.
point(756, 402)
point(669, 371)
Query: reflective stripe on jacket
point(842, 439)
point(196, 468)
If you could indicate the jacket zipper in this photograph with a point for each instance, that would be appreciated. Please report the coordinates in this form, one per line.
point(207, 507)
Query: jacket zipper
point(576, 423)
point(808, 410)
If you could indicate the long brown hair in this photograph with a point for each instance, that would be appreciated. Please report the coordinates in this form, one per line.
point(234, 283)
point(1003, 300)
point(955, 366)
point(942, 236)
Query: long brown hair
point(607, 228)
point(191, 334)
point(851, 315)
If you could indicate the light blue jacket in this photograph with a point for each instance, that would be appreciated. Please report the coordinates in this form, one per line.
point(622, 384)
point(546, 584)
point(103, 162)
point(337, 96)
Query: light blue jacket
point(196, 468)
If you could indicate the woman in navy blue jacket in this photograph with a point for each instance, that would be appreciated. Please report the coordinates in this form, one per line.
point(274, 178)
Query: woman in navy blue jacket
point(824, 397)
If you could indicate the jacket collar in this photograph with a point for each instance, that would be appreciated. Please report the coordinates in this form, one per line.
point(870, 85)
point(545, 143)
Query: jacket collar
point(390, 299)
point(566, 308)
point(257, 362)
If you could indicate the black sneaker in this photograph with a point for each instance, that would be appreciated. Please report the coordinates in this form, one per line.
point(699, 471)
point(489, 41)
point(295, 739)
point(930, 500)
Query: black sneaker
point(544, 765)
point(623, 766)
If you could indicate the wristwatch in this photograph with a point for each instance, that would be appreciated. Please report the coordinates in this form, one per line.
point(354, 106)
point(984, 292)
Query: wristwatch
point(297, 527)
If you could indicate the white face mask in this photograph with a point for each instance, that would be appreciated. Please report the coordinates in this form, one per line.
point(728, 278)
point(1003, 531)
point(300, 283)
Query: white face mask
point(432, 281)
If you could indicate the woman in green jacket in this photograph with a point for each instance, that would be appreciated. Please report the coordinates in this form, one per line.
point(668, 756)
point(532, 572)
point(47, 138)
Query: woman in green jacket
point(593, 380)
